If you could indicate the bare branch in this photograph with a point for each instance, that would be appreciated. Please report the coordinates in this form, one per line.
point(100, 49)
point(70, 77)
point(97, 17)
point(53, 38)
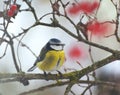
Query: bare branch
point(32, 9)
point(4, 52)
point(68, 89)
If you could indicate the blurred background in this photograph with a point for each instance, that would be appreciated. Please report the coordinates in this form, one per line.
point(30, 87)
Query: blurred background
point(37, 37)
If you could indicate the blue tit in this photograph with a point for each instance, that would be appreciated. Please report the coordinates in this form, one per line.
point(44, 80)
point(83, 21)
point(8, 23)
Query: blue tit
point(51, 57)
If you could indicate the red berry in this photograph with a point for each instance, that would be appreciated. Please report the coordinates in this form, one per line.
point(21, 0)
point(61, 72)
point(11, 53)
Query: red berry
point(10, 13)
point(85, 6)
point(75, 52)
point(99, 29)
point(13, 7)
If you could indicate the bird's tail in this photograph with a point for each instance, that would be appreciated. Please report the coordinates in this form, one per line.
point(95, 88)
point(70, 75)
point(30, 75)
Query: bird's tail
point(32, 68)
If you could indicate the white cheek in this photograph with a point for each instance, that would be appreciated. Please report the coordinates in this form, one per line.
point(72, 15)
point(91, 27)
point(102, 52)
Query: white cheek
point(56, 47)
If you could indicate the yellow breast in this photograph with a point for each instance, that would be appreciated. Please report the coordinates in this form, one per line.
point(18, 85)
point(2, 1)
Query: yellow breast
point(52, 61)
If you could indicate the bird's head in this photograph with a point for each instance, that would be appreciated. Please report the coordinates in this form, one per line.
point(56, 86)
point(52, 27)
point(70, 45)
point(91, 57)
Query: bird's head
point(56, 44)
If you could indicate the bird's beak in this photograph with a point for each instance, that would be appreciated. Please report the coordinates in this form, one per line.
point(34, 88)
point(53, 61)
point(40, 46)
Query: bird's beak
point(62, 46)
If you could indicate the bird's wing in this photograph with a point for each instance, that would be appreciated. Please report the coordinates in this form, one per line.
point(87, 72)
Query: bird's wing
point(41, 55)
point(39, 58)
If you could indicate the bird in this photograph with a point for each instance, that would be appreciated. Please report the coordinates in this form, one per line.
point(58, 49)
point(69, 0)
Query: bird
point(51, 57)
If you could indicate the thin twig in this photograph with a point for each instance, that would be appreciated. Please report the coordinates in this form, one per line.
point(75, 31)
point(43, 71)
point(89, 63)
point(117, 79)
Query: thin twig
point(87, 88)
point(68, 88)
point(32, 9)
point(72, 92)
point(4, 52)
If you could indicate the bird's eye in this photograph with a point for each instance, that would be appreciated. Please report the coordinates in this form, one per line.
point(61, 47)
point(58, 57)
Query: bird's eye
point(57, 44)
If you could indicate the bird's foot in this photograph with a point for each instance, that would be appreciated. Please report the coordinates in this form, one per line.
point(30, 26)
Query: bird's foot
point(46, 76)
point(59, 73)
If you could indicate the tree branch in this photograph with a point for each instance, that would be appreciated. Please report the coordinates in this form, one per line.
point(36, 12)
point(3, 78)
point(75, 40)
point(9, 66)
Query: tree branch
point(112, 84)
point(72, 75)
